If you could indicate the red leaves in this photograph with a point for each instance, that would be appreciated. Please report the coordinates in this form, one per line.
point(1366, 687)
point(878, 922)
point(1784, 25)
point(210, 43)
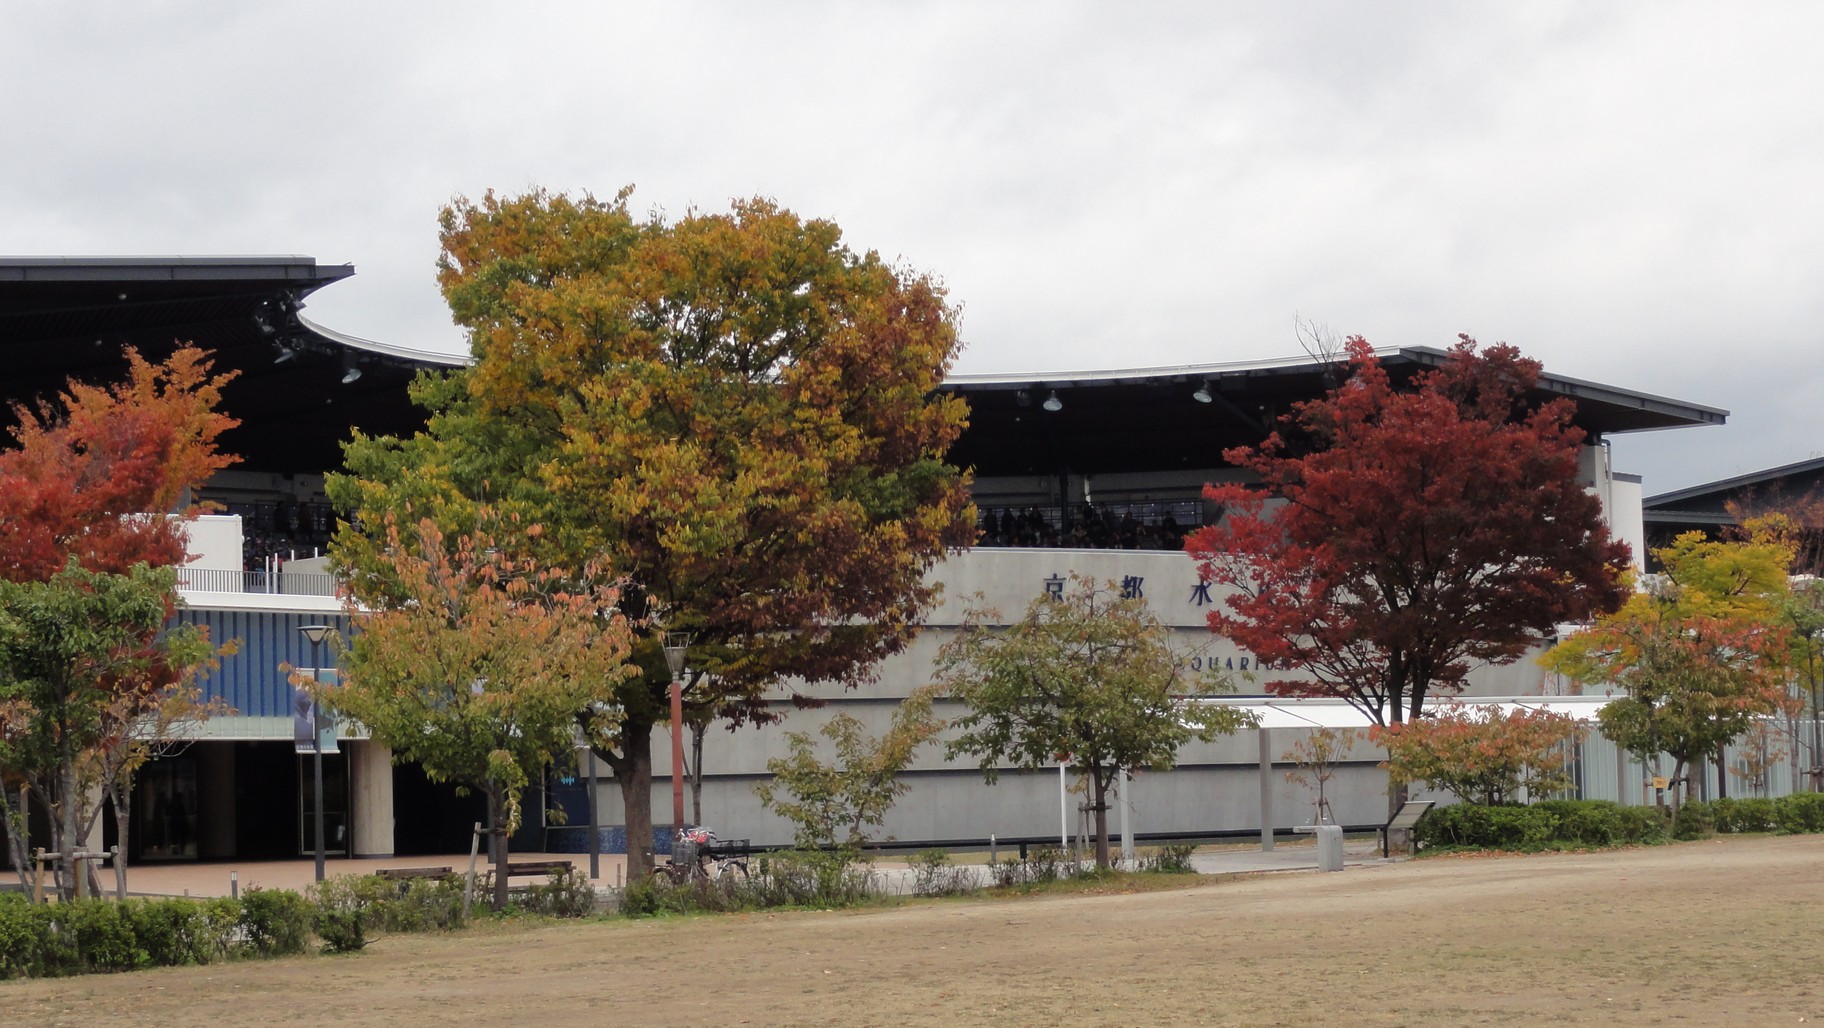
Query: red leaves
point(90, 470)
point(1421, 531)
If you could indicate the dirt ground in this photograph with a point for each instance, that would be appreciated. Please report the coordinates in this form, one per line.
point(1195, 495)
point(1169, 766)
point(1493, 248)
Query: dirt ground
point(1701, 933)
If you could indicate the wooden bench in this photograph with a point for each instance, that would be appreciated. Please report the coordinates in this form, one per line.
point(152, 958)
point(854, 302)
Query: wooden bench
point(538, 868)
point(1404, 821)
point(406, 874)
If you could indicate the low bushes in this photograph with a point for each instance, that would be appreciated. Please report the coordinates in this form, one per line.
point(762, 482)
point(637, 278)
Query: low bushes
point(1561, 824)
point(813, 879)
point(353, 908)
point(90, 935)
point(45, 940)
point(1547, 825)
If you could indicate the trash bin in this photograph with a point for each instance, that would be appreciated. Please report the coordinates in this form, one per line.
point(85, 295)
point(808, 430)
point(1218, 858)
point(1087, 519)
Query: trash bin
point(1329, 847)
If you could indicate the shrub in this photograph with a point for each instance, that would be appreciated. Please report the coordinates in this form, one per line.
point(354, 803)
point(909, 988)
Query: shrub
point(567, 894)
point(342, 930)
point(934, 875)
point(1043, 864)
point(1543, 825)
point(813, 878)
point(24, 932)
point(794, 878)
point(1800, 812)
point(274, 922)
point(1171, 858)
point(1747, 815)
point(1693, 821)
point(385, 905)
point(102, 935)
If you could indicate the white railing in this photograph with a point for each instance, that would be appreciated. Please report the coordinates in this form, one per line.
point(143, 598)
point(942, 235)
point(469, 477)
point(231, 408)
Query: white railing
point(280, 582)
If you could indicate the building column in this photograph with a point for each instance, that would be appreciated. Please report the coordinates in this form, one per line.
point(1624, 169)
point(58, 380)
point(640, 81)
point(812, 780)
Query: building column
point(370, 770)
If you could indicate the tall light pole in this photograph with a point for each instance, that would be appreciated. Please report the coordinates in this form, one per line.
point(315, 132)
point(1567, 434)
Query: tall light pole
point(316, 635)
point(677, 644)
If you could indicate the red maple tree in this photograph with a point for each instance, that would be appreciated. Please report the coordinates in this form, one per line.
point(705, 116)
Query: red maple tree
point(91, 469)
point(98, 481)
point(1399, 537)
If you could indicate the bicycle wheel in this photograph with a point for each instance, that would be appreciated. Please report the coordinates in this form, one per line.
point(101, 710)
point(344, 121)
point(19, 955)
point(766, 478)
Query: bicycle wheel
point(732, 870)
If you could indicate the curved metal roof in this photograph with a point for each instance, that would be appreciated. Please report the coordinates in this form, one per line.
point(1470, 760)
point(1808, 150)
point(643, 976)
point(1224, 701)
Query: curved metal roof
point(63, 317)
point(298, 399)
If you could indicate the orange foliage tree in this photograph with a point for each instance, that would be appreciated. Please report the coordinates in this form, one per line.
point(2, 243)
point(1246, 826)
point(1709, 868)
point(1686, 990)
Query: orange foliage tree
point(734, 411)
point(94, 494)
point(1481, 753)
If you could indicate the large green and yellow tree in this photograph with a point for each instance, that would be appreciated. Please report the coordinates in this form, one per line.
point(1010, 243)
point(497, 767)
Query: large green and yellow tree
point(1700, 655)
point(733, 411)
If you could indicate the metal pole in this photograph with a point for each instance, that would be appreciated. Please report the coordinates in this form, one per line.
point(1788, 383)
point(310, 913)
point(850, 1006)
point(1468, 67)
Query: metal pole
point(1817, 740)
point(1063, 812)
point(316, 750)
point(595, 829)
point(1127, 828)
point(1266, 790)
point(677, 757)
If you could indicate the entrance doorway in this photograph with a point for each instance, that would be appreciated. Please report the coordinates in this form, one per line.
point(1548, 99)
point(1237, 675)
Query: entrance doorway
point(335, 805)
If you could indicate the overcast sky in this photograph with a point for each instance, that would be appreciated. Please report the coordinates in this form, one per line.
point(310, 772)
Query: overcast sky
point(1631, 192)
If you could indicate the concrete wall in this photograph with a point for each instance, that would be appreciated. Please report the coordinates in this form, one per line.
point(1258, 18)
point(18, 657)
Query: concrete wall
point(216, 541)
point(1215, 789)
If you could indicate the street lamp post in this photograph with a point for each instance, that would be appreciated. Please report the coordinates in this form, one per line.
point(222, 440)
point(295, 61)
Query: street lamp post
point(677, 644)
point(316, 635)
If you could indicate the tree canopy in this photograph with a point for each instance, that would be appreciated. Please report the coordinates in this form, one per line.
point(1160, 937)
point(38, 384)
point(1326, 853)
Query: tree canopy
point(835, 804)
point(85, 462)
point(1089, 678)
point(1700, 654)
point(94, 495)
point(1398, 537)
point(1480, 753)
point(480, 665)
point(734, 411)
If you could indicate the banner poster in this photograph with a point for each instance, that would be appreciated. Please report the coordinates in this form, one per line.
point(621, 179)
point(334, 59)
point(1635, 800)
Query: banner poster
point(303, 721)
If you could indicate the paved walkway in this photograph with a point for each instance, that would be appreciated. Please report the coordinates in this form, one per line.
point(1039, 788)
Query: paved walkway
point(220, 879)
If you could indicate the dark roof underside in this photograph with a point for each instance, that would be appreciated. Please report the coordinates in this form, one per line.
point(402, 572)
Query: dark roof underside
point(74, 316)
point(1150, 421)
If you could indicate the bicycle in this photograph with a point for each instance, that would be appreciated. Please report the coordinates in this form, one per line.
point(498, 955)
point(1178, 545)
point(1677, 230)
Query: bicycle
point(695, 852)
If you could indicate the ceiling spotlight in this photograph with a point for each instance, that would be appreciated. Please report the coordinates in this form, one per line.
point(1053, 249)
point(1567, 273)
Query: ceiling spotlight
point(1023, 398)
point(285, 353)
point(1202, 395)
point(350, 373)
point(1052, 403)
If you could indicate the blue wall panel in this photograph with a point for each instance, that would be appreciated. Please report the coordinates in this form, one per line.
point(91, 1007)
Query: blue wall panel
point(250, 679)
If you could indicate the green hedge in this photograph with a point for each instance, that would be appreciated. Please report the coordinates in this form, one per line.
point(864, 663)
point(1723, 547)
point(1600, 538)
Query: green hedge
point(1558, 824)
point(52, 939)
point(1798, 814)
point(46, 940)
point(1553, 823)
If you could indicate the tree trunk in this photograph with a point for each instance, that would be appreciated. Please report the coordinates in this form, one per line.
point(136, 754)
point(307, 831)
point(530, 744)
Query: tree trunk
point(120, 842)
point(633, 771)
point(497, 817)
point(1397, 793)
point(69, 824)
point(1101, 778)
point(17, 843)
